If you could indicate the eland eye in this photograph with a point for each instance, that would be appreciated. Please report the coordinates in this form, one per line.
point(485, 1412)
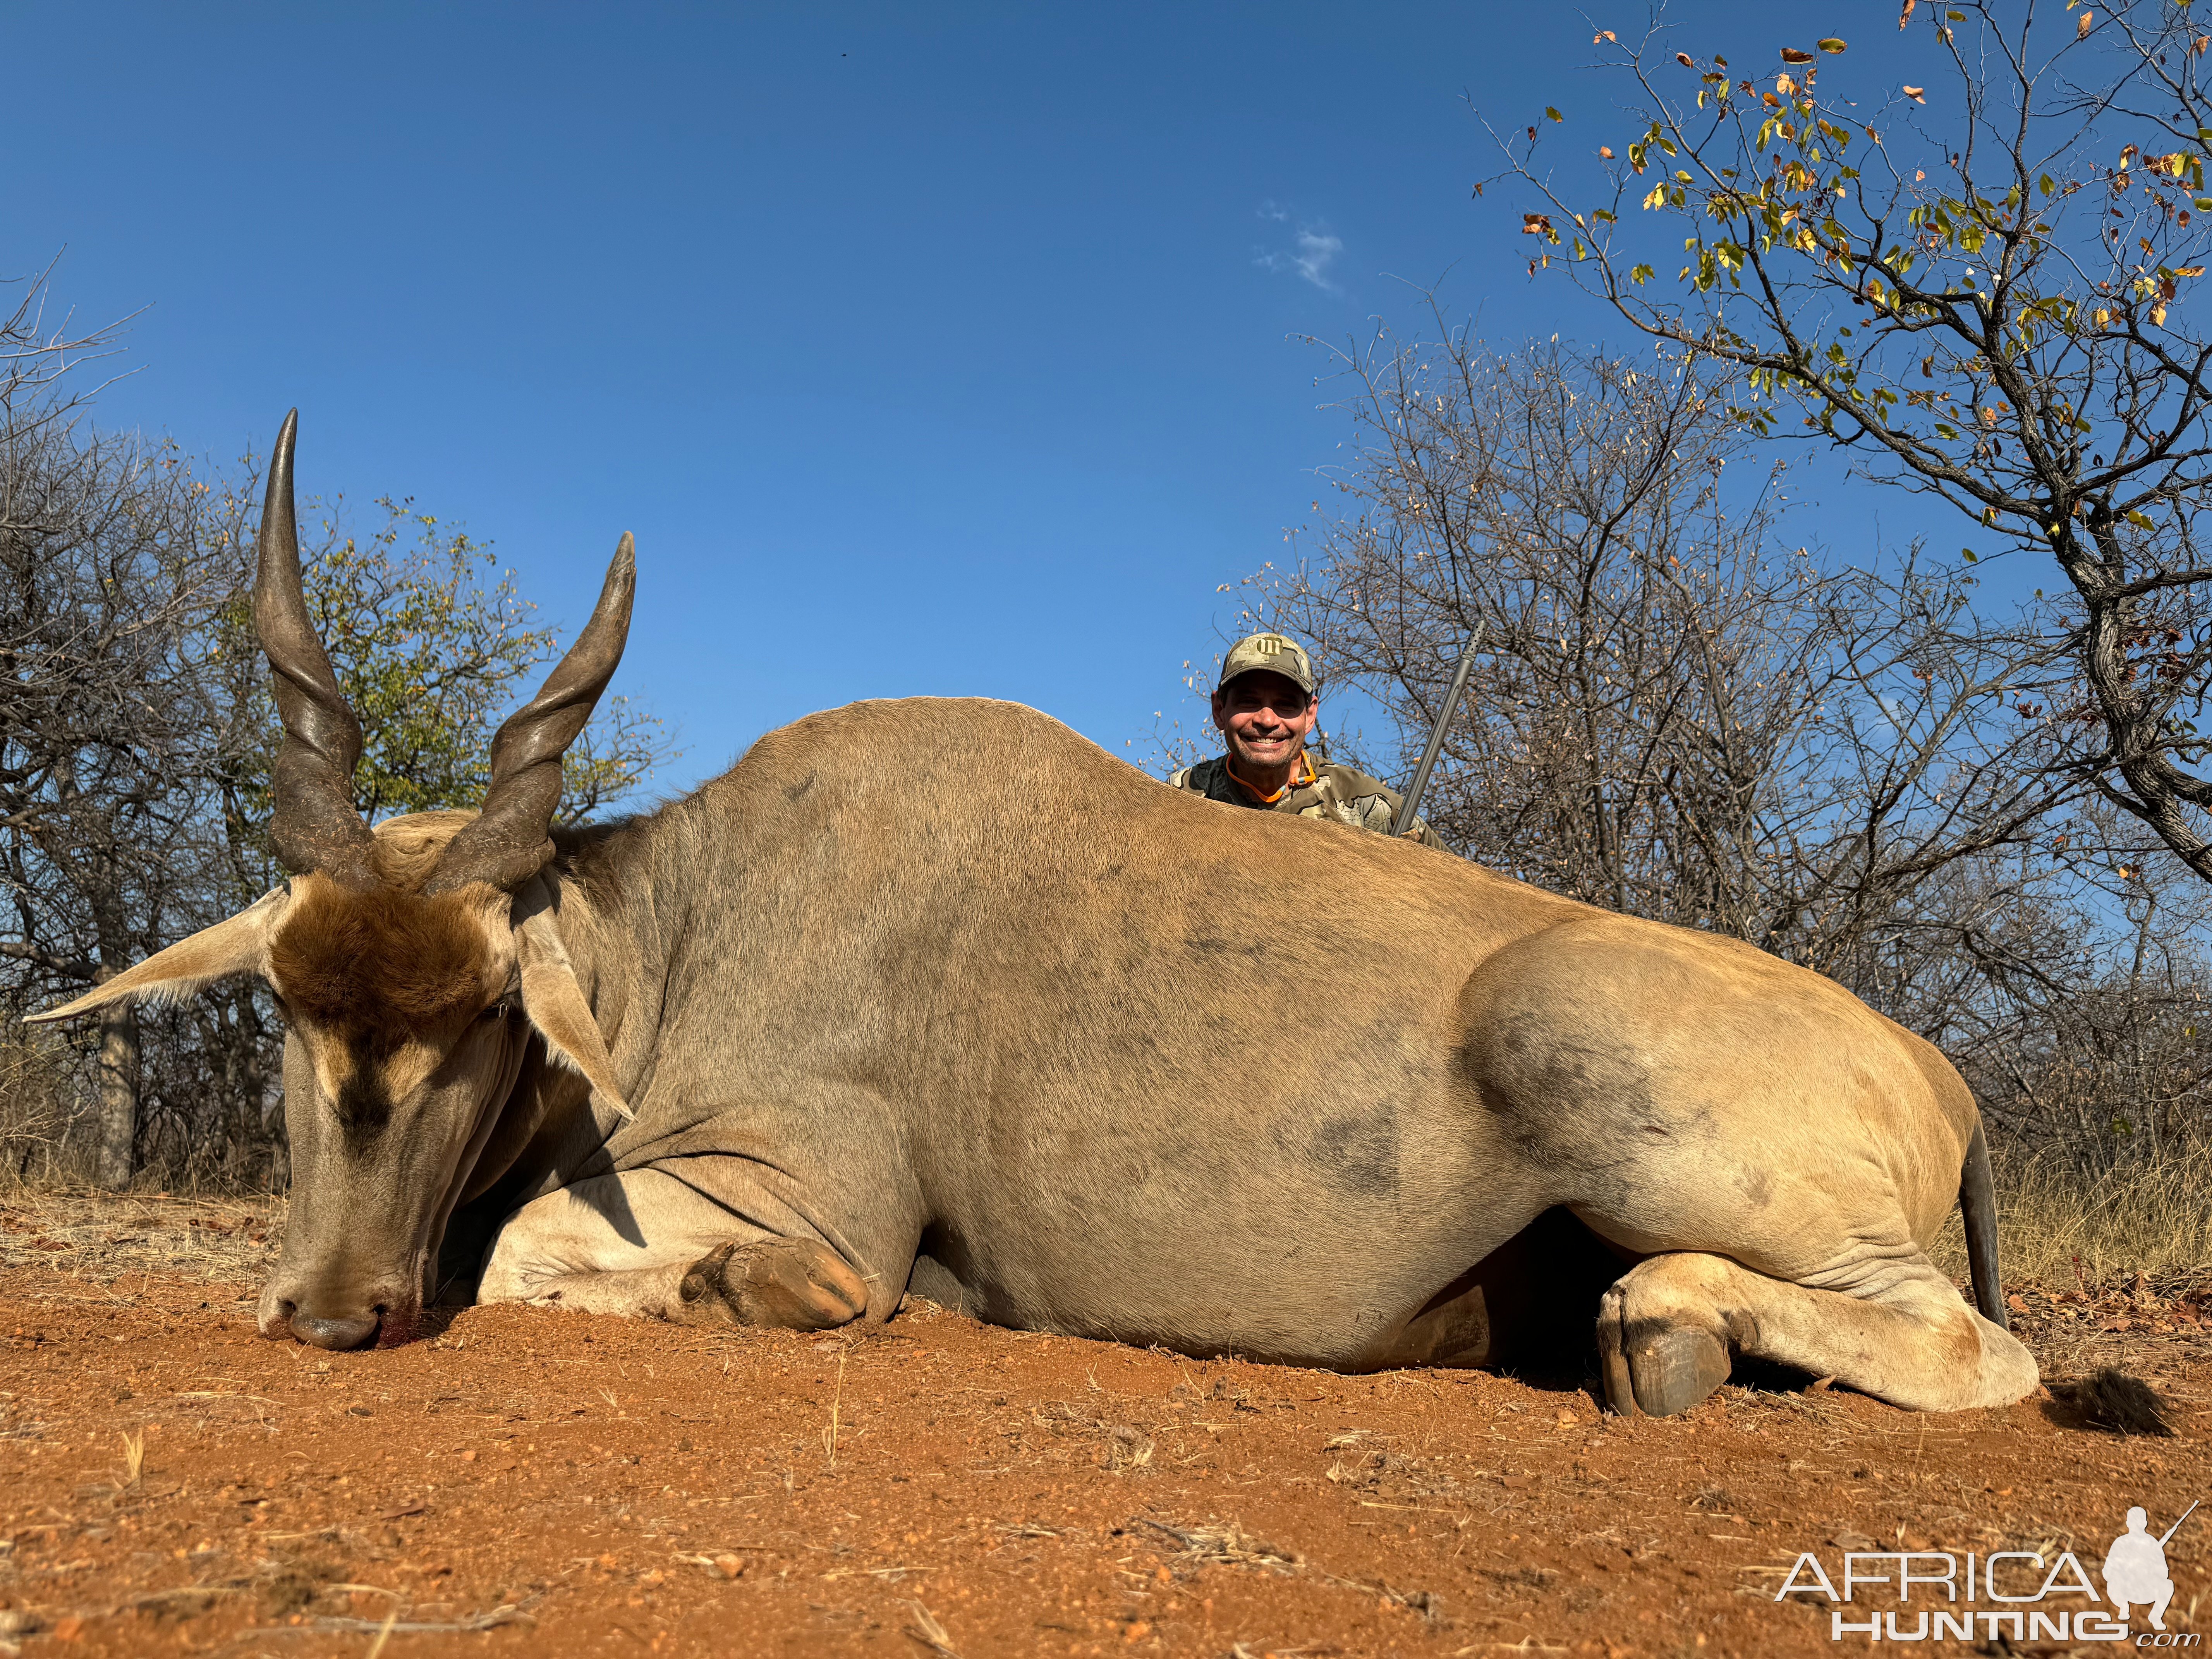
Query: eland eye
point(497, 1012)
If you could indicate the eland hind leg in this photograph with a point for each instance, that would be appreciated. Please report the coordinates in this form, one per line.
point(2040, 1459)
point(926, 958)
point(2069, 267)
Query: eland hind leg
point(1777, 1152)
point(1804, 1255)
point(1670, 1329)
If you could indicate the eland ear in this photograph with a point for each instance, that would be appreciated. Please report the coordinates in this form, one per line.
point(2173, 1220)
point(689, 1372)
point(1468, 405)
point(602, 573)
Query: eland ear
point(555, 1003)
point(238, 946)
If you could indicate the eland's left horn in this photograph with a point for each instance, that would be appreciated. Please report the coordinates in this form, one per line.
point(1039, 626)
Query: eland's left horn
point(508, 844)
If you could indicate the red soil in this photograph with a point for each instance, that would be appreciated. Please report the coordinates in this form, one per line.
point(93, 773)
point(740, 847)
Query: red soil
point(541, 1483)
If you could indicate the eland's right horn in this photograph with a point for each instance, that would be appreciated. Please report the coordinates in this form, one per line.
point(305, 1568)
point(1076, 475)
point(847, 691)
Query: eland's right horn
point(315, 825)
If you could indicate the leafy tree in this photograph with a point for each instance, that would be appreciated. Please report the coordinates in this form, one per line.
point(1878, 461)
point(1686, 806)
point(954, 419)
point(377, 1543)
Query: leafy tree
point(1979, 284)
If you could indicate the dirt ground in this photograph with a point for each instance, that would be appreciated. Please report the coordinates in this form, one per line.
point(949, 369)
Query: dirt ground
point(529, 1482)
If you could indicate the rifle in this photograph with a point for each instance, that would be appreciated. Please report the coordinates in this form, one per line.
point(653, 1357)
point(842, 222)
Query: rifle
point(2176, 1527)
point(1403, 823)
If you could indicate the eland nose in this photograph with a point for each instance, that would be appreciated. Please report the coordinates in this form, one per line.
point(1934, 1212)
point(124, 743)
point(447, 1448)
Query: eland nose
point(335, 1334)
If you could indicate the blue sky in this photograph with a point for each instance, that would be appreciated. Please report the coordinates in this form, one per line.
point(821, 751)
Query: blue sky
point(943, 350)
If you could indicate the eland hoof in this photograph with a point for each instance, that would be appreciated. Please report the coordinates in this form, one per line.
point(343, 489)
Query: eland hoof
point(1672, 1369)
point(788, 1283)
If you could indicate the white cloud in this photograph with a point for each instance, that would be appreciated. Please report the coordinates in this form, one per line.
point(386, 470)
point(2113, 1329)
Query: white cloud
point(1313, 249)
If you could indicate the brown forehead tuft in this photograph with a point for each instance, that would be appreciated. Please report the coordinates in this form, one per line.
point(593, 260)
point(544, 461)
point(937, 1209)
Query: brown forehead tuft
point(378, 964)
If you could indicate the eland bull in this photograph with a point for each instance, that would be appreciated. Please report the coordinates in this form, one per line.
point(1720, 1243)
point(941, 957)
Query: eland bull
point(935, 994)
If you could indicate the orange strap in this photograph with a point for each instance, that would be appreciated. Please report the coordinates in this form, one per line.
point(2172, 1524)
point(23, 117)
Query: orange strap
point(1252, 790)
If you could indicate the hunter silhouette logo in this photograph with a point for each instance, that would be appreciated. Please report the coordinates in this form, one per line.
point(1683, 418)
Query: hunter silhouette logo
point(2135, 1567)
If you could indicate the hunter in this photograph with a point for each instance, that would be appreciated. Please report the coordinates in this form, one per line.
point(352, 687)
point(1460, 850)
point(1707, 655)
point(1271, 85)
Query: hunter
point(1266, 707)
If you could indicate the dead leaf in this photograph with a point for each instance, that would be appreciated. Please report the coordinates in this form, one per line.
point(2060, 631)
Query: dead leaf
point(1684, 60)
point(1914, 93)
point(2081, 28)
point(1791, 55)
point(1905, 15)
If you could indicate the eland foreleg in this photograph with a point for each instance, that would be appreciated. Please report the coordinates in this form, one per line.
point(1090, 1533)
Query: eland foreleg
point(644, 1243)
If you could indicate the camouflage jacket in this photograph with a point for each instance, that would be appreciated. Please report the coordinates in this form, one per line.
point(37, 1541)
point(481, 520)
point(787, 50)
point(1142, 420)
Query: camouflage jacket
point(1336, 792)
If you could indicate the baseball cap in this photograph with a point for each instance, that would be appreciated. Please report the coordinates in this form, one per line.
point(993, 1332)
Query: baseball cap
point(1273, 653)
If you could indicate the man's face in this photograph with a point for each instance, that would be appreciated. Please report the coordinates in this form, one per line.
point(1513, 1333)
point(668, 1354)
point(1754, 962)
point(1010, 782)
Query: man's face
point(1265, 717)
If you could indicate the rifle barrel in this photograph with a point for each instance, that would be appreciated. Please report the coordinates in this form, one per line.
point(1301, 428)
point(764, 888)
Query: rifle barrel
point(2176, 1527)
point(1411, 803)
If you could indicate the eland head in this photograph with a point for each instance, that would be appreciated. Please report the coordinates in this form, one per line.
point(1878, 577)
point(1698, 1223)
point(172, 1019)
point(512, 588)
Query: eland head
point(414, 964)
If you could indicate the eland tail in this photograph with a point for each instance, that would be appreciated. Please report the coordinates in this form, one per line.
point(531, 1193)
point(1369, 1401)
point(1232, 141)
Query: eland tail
point(1978, 1208)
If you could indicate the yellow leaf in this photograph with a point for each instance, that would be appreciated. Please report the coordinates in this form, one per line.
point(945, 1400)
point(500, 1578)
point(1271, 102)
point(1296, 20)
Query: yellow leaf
point(1831, 45)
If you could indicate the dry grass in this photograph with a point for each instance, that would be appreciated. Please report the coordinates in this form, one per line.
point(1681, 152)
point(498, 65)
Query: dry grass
point(1227, 1544)
point(926, 1630)
point(2056, 1226)
point(33, 1106)
point(224, 1241)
